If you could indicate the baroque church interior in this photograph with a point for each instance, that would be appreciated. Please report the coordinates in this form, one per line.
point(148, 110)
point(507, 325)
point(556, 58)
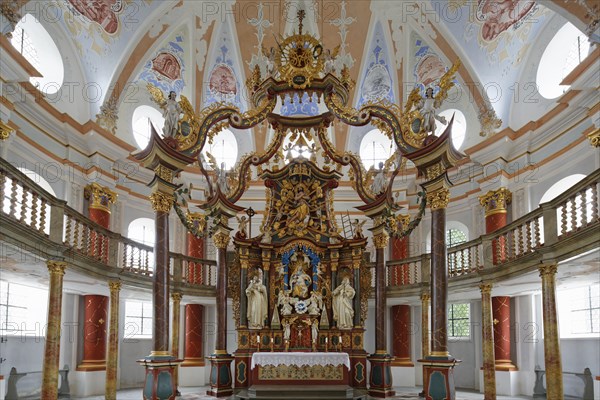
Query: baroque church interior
point(299, 199)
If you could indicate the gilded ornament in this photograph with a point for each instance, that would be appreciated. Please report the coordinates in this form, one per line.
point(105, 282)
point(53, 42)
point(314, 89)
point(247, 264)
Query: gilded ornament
point(109, 115)
point(221, 240)
point(164, 173)
point(548, 270)
point(5, 131)
point(9, 10)
point(381, 240)
point(56, 267)
point(176, 296)
point(162, 202)
point(495, 201)
point(114, 286)
point(425, 297)
point(486, 288)
point(438, 199)
point(100, 197)
point(594, 138)
point(434, 171)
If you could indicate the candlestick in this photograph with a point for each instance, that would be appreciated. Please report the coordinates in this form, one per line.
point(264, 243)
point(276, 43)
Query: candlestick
point(272, 342)
point(258, 342)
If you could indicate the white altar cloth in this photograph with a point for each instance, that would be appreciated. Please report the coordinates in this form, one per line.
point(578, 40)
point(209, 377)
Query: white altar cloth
point(299, 359)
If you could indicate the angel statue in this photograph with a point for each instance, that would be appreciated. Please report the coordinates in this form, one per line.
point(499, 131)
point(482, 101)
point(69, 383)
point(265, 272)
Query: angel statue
point(243, 226)
point(358, 228)
point(221, 180)
point(429, 112)
point(172, 109)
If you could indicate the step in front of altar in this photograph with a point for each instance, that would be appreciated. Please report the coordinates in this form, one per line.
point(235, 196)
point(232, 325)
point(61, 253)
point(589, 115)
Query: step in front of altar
point(324, 392)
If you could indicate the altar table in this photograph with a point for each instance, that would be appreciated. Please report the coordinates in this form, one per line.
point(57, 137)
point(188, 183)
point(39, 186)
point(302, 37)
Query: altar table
point(284, 368)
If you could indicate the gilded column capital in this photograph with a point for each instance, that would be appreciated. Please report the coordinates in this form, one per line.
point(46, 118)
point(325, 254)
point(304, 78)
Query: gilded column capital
point(495, 201)
point(176, 297)
point(221, 240)
point(594, 138)
point(425, 297)
point(114, 286)
point(162, 202)
point(548, 270)
point(486, 288)
point(5, 131)
point(438, 198)
point(100, 197)
point(381, 240)
point(56, 267)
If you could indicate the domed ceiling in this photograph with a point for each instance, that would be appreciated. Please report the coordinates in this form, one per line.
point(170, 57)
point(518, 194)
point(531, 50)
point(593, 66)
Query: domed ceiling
point(205, 50)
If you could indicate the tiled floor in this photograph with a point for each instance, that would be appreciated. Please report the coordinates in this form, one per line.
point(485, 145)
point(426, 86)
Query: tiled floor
point(198, 393)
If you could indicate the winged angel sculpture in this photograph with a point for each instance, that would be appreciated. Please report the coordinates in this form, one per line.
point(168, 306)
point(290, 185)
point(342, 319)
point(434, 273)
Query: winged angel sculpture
point(422, 111)
point(172, 110)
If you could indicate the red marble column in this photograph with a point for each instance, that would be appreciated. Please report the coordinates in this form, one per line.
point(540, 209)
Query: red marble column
point(401, 334)
point(94, 333)
point(501, 318)
point(100, 199)
point(495, 203)
point(195, 248)
point(400, 274)
point(194, 321)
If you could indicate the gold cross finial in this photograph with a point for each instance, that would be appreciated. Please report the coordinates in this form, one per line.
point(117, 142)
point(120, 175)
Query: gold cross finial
point(301, 15)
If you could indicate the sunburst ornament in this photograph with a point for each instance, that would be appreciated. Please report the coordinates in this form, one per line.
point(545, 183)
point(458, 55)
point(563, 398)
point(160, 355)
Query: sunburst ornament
point(299, 57)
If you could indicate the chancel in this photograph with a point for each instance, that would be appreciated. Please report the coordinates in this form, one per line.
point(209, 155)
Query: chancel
point(299, 199)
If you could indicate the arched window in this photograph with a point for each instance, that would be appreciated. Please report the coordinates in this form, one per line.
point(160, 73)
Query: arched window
point(375, 147)
point(25, 213)
point(455, 237)
point(224, 148)
point(143, 116)
point(37, 46)
point(564, 52)
point(459, 128)
point(138, 259)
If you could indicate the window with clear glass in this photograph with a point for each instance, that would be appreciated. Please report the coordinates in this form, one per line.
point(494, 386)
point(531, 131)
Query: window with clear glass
point(579, 311)
point(459, 320)
point(138, 258)
point(23, 309)
point(455, 237)
point(32, 40)
point(223, 148)
point(143, 118)
point(138, 319)
point(375, 148)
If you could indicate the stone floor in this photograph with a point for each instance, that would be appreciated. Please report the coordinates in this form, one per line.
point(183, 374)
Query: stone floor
point(198, 393)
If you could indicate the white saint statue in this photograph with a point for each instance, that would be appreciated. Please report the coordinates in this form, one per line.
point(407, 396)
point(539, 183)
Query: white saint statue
point(284, 301)
point(379, 183)
point(172, 111)
point(316, 303)
point(429, 112)
point(315, 330)
point(257, 303)
point(343, 313)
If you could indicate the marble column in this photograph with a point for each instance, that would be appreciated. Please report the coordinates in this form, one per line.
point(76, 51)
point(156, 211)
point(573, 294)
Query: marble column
point(380, 378)
point(100, 200)
point(176, 297)
point(401, 335)
point(495, 203)
point(56, 270)
point(195, 248)
point(438, 380)
point(554, 381)
point(487, 338)
point(194, 320)
point(220, 376)
point(94, 333)
point(425, 339)
point(112, 358)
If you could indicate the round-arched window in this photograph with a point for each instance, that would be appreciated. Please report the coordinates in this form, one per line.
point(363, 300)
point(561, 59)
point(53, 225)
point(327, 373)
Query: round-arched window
point(459, 128)
point(142, 231)
point(564, 52)
point(137, 258)
point(375, 147)
point(143, 116)
point(224, 148)
point(37, 46)
point(560, 187)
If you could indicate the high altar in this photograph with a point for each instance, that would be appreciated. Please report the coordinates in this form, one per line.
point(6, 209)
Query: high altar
point(300, 288)
point(314, 283)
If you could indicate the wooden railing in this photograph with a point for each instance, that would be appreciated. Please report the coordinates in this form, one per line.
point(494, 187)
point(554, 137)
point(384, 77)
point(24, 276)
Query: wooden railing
point(75, 236)
point(573, 212)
